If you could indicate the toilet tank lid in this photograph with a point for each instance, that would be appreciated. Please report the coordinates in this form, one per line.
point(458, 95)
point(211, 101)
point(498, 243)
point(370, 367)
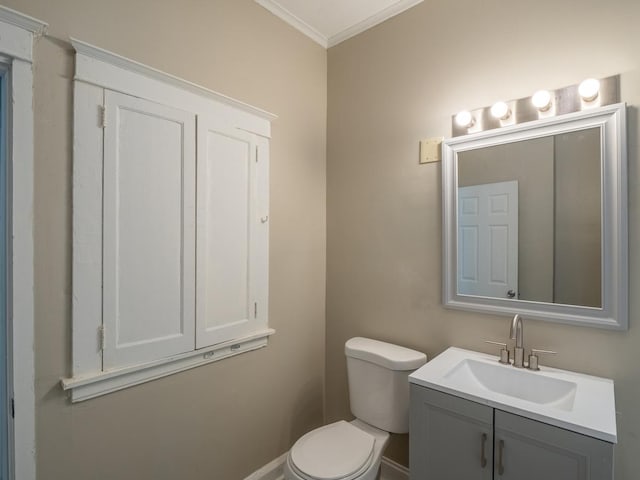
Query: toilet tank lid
point(388, 355)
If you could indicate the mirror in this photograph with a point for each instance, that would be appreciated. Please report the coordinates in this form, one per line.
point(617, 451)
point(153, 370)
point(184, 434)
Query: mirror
point(535, 219)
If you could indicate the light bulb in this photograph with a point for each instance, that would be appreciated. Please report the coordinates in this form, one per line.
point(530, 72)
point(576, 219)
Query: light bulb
point(464, 119)
point(589, 89)
point(500, 110)
point(542, 100)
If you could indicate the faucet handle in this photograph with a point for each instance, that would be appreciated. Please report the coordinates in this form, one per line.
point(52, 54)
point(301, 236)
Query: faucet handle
point(504, 352)
point(533, 358)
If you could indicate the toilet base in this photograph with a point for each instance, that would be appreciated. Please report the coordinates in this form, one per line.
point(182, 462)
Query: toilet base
point(381, 440)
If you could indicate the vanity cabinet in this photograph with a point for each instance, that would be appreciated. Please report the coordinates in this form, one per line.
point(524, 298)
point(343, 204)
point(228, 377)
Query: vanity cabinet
point(453, 438)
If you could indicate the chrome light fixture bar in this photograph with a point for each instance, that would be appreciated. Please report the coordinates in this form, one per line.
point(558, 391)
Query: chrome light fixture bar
point(542, 104)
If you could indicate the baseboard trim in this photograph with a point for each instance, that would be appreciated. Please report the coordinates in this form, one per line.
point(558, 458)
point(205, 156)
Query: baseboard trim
point(274, 470)
point(391, 470)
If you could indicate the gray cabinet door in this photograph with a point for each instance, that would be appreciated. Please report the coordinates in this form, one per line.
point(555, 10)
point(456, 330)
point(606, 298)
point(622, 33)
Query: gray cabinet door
point(530, 450)
point(451, 438)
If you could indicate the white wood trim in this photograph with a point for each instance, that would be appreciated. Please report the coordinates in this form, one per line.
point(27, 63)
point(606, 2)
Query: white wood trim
point(274, 470)
point(16, 43)
point(100, 383)
point(109, 70)
point(16, 34)
point(295, 21)
point(353, 30)
point(615, 309)
point(86, 277)
point(390, 470)
point(25, 22)
point(21, 271)
point(383, 15)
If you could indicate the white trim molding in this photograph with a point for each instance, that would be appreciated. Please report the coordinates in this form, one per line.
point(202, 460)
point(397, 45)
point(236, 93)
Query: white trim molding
point(390, 470)
point(95, 65)
point(328, 41)
point(274, 470)
point(20, 20)
point(295, 21)
point(84, 387)
point(372, 21)
point(17, 34)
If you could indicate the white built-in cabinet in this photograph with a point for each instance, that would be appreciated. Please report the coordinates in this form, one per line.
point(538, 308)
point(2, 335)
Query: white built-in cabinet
point(149, 231)
point(232, 239)
point(170, 225)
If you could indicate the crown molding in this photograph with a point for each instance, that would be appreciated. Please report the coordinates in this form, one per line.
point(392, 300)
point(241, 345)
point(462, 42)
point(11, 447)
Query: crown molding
point(26, 22)
point(83, 48)
point(274, 7)
point(372, 21)
point(294, 21)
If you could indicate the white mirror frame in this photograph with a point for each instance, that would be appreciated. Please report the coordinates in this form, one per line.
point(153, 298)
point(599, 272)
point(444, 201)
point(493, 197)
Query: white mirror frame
point(614, 313)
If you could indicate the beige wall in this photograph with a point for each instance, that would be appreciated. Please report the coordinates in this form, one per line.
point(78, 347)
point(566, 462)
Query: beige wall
point(387, 88)
point(401, 81)
point(226, 419)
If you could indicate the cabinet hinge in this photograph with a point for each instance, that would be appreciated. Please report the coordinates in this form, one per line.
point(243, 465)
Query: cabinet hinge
point(13, 408)
point(103, 116)
point(257, 153)
point(101, 336)
point(255, 310)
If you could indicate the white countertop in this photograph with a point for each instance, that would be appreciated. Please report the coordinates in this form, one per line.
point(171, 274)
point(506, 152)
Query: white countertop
point(588, 409)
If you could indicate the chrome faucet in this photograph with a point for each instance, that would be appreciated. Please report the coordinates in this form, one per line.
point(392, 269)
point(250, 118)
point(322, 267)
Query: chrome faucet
point(516, 334)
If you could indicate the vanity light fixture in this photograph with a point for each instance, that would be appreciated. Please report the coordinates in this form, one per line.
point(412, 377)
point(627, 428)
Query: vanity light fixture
point(589, 89)
point(542, 100)
point(543, 104)
point(500, 110)
point(464, 119)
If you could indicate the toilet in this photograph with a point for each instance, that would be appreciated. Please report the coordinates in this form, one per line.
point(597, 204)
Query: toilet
point(379, 398)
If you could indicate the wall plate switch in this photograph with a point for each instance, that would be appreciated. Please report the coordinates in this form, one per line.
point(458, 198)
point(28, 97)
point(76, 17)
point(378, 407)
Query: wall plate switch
point(430, 149)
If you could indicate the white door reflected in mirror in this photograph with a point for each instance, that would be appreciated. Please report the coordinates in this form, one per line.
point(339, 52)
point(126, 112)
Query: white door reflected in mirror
point(488, 240)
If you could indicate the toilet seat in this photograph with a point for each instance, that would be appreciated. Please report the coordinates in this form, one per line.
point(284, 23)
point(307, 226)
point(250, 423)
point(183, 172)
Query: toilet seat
point(338, 451)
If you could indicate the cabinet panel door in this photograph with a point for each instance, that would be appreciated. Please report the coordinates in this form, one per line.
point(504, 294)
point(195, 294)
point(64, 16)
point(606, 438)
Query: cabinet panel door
point(149, 231)
point(532, 451)
point(232, 242)
point(451, 438)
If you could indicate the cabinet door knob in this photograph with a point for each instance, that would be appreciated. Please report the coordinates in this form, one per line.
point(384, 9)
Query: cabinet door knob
point(500, 452)
point(483, 458)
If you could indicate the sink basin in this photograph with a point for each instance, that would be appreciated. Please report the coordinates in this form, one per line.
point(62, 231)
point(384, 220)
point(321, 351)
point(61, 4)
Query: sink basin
point(513, 382)
point(574, 401)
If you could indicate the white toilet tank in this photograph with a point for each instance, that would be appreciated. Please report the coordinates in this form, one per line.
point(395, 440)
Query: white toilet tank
point(378, 382)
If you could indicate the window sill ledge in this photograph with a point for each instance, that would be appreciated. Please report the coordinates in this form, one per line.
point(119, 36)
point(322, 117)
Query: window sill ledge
point(85, 387)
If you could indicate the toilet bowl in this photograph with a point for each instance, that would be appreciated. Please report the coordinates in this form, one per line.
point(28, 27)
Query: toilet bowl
point(338, 451)
point(379, 398)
